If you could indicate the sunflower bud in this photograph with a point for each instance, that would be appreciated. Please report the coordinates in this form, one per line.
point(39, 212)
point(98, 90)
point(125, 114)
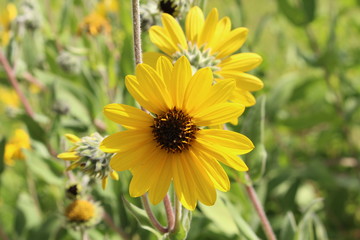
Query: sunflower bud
point(68, 62)
point(91, 160)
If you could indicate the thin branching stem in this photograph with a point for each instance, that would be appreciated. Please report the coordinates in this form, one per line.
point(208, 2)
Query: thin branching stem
point(259, 209)
point(108, 220)
point(12, 79)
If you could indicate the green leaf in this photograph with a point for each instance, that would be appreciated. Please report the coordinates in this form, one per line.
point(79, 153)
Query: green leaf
point(37, 164)
point(221, 218)
point(29, 210)
point(254, 127)
point(288, 227)
point(301, 14)
point(2, 154)
point(35, 130)
point(141, 217)
point(244, 228)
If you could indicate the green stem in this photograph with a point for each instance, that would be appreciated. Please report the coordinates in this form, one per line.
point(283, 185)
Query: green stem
point(111, 224)
point(178, 208)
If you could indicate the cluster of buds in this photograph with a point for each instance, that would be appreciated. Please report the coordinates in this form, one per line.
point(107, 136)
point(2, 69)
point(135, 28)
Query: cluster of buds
point(89, 158)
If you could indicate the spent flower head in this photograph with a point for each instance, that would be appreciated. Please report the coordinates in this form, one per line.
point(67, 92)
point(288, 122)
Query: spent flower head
point(210, 43)
point(172, 143)
point(91, 160)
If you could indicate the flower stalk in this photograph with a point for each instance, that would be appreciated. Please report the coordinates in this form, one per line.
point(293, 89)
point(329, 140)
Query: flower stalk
point(259, 209)
point(12, 79)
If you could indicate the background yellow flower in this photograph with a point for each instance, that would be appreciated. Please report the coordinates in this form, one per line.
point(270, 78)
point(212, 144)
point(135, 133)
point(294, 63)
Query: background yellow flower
point(13, 148)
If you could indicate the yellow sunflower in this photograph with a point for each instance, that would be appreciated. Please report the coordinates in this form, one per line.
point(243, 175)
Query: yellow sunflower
point(172, 143)
point(209, 43)
point(13, 148)
point(87, 155)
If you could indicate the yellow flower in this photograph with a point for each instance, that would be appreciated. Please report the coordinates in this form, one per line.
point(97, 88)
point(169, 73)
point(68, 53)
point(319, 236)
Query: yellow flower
point(95, 24)
point(13, 148)
point(171, 143)
point(209, 43)
point(82, 214)
point(107, 6)
point(7, 15)
point(80, 211)
point(9, 97)
point(87, 155)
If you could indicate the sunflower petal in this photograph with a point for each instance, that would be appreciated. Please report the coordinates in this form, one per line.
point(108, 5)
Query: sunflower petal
point(194, 24)
point(226, 139)
point(220, 92)
point(162, 178)
point(133, 86)
point(72, 138)
point(242, 62)
point(223, 27)
point(133, 157)
point(181, 76)
point(159, 37)
point(223, 155)
point(125, 140)
point(198, 89)
point(153, 86)
point(243, 97)
point(151, 58)
point(232, 42)
point(215, 171)
point(69, 156)
point(218, 114)
point(174, 31)
point(183, 183)
point(128, 116)
point(243, 80)
point(204, 186)
point(209, 27)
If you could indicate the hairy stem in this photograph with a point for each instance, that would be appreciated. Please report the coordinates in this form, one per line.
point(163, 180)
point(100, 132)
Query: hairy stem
point(169, 214)
point(137, 31)
point(152, 218)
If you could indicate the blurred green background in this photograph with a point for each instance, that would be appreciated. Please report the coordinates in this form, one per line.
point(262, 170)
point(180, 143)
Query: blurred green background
point(305, 124)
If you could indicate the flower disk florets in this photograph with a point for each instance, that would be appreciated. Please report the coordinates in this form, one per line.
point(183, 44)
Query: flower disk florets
point(174, 131)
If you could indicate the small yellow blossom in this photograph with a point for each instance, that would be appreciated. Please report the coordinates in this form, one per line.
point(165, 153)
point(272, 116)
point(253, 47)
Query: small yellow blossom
point(9, 97)
point(13, 148)
point(7, 15)
point(80, 211)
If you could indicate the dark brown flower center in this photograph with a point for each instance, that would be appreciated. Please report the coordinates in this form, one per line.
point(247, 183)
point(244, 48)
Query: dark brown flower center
point(174, 131)
point(168, 6)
